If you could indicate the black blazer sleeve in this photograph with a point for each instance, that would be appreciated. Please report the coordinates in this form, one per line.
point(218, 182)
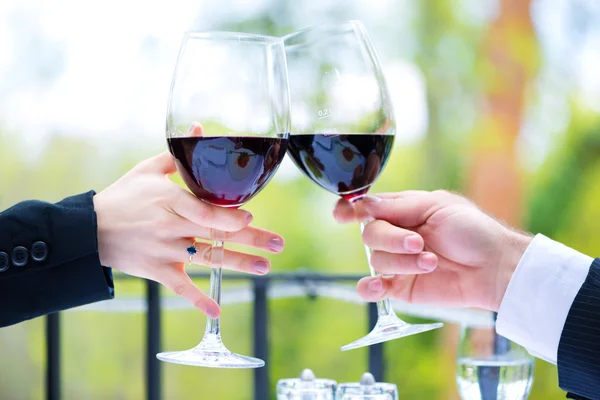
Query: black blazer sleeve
point(579, 347)
point(49, 259)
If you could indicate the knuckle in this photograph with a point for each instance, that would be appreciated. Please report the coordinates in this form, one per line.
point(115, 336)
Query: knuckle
point(228, 236)
point(179, 288)
point(176, 198)
point(205, 254)
point(258, 241)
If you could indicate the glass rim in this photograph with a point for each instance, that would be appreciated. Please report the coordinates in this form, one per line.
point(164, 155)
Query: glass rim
point(239, 36)
point(353, 23)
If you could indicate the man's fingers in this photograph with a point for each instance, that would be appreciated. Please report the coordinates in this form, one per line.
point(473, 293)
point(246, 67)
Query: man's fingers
point(344, 211)
point(408, 211)
point(381, 235)
point(398, 195)
point(180, 283)
point(372, 289)
point(378, 288)
point(200, 213)
point(403, 264)
point(162, 163)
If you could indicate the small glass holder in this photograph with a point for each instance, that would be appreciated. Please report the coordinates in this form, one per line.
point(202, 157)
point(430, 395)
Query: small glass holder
point(306, 387)
point(367, 389)
point(491, 367)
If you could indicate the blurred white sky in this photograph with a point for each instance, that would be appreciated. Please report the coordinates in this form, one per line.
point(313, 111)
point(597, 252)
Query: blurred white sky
point(103, 69)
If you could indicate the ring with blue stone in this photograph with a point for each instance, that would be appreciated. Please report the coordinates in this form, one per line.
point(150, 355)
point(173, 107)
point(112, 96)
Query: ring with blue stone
point(191, 250)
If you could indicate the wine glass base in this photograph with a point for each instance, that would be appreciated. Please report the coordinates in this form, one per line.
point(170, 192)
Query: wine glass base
point(390, 328)
point(210, 359)
point(210, 353)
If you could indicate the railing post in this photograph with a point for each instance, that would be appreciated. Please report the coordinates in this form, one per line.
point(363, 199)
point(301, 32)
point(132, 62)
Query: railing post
point(153, 382)
point(53, 356)
point(376, 361)
point(261, 338)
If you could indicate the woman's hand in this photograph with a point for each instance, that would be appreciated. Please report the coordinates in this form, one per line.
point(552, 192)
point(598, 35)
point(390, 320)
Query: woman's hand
point(146, 223)
point(435, 248)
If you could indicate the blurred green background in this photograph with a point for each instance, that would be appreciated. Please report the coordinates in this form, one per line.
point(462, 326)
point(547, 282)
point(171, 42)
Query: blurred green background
point(497, 99)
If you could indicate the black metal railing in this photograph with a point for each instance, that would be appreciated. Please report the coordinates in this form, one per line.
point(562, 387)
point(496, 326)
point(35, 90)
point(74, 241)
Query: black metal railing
point(260, 285)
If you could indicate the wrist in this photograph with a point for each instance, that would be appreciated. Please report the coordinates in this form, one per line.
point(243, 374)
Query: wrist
point(100, 231)
point(512, 250)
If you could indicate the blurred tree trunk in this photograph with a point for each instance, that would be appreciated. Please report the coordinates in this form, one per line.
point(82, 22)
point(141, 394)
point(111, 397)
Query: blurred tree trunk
point(509, 57)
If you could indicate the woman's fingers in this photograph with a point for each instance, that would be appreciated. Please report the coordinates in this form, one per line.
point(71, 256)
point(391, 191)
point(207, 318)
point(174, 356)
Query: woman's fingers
point(403, 264)
point(232, 260)
point(203, 214)
point(180, 283)
point(249, 236)
point(381, 235)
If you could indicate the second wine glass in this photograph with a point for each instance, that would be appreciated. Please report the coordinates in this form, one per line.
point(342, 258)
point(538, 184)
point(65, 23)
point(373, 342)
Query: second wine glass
point(343, 128)
point(228, 126)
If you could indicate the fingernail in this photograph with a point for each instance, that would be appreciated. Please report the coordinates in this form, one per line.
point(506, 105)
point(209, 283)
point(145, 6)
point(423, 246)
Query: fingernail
point(249, 218)
point(413, 243)
point(371, 199)
point(212, 310)
point(261, 267)
point(376, 285)
point(276, 244)
point(427, 262)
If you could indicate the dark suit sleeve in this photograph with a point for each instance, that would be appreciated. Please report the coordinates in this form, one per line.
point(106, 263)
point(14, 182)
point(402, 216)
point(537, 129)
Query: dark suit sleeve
point(59, 248)
point(579, 347)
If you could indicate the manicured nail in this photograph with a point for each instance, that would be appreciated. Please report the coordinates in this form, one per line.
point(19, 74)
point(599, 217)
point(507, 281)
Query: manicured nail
point(427, 262)
point(212, 310)
point(276, 244)
point(261, 267)
point(371, 200)
point(249, 218)
point(376, 285)
point(413, 243)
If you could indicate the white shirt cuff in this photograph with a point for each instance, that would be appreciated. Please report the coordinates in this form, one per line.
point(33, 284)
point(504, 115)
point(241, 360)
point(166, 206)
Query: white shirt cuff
point(540, 294)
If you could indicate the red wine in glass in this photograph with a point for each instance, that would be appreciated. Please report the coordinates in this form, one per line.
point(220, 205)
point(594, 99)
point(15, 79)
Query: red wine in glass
point(227, 170)
point(344, 164)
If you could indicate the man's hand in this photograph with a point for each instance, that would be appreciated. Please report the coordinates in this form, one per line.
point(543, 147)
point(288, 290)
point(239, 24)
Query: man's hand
point(435, 248)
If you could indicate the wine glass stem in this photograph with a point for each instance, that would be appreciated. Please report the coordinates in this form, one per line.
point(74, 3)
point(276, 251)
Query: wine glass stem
point(213, 326)
point(384, 307)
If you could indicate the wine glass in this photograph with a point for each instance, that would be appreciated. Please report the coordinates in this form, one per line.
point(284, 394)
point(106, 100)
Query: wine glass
point(491, 367)
point(228, 124)
point(343, 128)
